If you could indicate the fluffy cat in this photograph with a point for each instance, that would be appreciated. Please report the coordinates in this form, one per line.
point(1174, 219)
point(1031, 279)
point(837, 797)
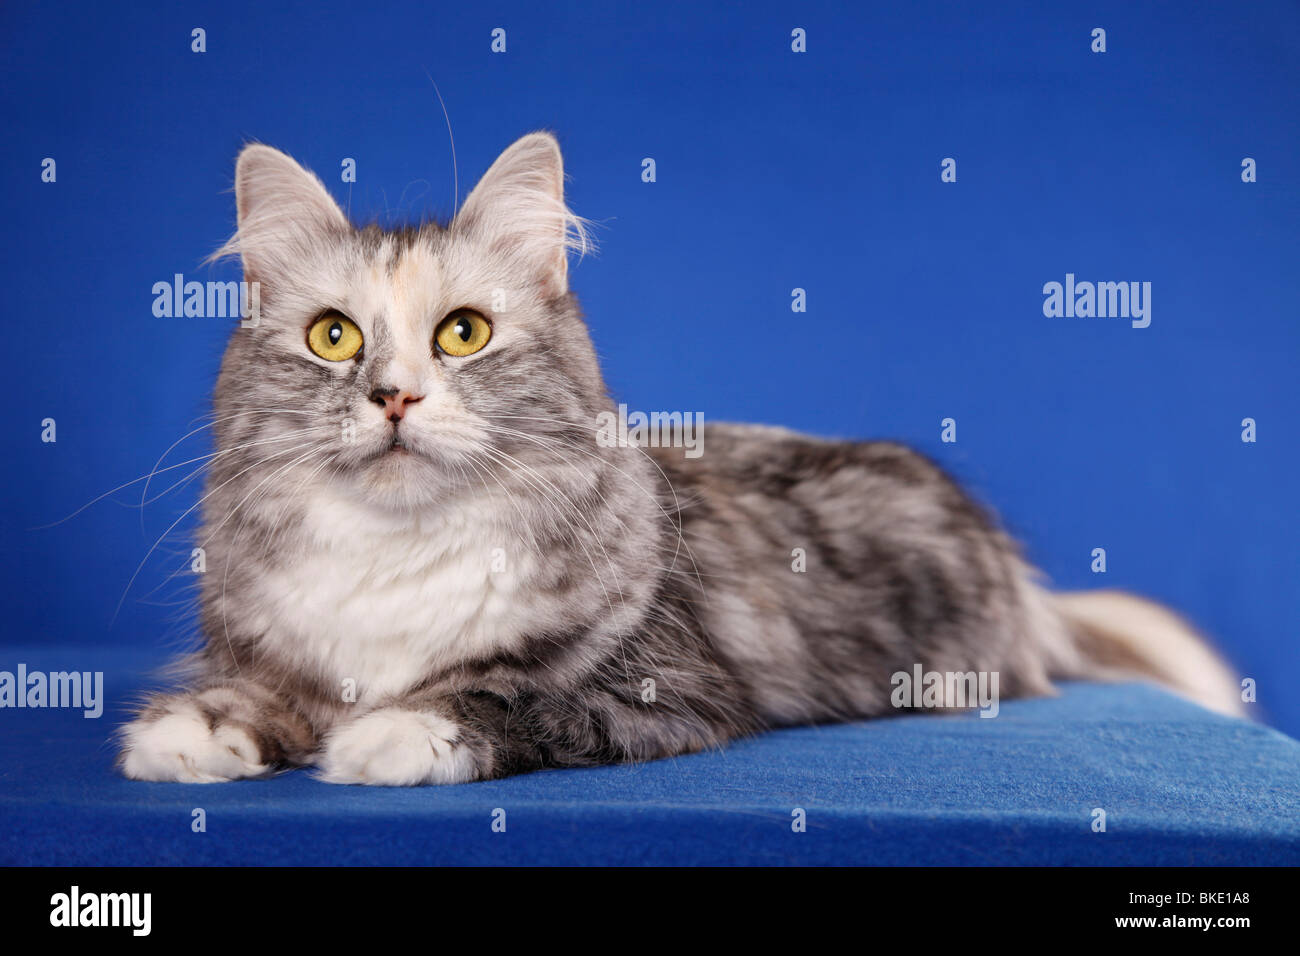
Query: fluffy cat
point(422, 567)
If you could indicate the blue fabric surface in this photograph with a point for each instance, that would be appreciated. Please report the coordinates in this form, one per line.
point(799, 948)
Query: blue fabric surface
point(1179, 786)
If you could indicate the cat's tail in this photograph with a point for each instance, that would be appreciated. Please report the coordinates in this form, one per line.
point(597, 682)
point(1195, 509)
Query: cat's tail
point(1118, 635)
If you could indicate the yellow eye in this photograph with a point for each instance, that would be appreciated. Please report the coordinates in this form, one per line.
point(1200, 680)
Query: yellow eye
point(334, 337)
point(463, 332)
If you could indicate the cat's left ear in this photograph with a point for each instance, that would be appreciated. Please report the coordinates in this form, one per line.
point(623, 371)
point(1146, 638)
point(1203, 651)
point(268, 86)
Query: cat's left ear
point(285, 212)
point(518, 209)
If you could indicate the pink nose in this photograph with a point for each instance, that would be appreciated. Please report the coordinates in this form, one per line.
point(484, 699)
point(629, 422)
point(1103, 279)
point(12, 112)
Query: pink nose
point(394, 401)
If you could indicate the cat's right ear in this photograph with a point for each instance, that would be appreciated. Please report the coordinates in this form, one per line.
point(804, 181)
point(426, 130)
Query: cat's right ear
point(284, 212)
point(518, 208)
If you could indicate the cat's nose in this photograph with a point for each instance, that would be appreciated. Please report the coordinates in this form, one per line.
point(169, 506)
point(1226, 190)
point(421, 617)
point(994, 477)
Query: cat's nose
point(394, 402)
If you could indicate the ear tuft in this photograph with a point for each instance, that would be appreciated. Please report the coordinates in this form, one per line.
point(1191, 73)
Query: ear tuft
point(518, 208)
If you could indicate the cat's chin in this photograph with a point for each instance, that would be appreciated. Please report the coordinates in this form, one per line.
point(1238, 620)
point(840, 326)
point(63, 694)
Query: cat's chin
point(403, 480)
point(398, 458)
point(398, 463)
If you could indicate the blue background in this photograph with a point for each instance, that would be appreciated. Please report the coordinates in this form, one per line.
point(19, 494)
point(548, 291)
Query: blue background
point(775, 170)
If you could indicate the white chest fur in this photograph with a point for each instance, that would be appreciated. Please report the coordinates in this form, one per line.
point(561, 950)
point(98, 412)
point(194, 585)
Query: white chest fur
point(384, 602)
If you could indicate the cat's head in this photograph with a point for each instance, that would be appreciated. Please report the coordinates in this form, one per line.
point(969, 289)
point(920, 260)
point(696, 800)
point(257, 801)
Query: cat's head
point(401, 364)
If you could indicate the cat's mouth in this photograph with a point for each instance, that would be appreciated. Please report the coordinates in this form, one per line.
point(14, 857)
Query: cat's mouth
point(392, 451)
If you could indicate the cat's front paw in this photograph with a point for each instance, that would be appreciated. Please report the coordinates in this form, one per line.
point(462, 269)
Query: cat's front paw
point(392, 747)
point(180, 745)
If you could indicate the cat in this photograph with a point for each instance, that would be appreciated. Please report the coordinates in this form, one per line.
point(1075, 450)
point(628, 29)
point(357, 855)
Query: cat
point(423, 568)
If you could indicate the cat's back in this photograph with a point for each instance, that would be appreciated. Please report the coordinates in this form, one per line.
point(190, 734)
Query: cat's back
point(752, 462)
point(760, 491)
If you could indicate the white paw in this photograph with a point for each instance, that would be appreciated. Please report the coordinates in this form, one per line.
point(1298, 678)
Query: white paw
point(179, 747)
point(396, 748)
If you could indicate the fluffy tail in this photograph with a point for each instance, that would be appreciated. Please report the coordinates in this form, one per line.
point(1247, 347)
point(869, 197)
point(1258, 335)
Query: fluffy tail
point(1119, 635)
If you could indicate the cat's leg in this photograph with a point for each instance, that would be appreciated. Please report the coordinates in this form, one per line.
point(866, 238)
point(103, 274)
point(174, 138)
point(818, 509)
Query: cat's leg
point(223, 732)
point(430, 738)
point(457, 737)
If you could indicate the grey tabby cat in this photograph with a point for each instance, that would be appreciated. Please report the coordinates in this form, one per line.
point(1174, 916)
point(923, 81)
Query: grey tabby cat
point(422, 567)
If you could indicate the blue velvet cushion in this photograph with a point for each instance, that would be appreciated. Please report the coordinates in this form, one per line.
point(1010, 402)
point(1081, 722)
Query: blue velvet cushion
point(1178, 786)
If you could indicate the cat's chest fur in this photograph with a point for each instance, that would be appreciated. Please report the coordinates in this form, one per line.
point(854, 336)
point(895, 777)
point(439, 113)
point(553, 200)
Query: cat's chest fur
point(385, 602)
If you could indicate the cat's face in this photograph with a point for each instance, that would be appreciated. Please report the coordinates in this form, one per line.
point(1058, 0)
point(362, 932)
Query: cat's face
point(406, 366)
